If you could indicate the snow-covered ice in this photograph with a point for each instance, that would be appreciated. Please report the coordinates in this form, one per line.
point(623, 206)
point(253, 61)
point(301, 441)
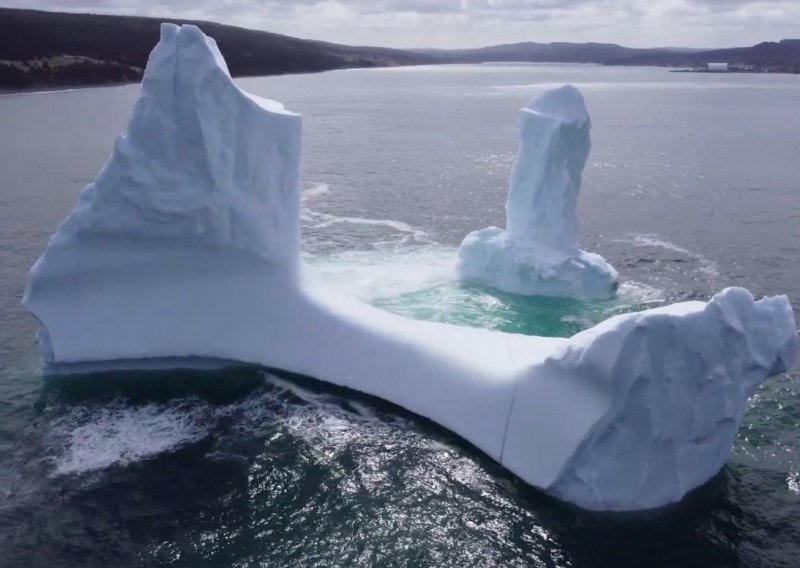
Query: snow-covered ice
point(185, 249)
point(537, 253)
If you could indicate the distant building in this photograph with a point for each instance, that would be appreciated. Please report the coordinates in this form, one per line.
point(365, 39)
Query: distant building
point(720, 67)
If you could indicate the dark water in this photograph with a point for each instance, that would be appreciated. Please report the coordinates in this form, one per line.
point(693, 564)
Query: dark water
point(692, 186)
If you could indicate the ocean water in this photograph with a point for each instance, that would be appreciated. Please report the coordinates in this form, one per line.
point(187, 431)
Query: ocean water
point(692, 186)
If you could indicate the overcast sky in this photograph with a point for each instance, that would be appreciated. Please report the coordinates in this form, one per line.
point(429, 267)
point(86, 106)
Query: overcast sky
point(472, 23)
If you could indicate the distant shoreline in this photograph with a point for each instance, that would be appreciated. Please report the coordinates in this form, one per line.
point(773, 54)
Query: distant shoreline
point(43, 89)
point(44, 51)
point(735, 72)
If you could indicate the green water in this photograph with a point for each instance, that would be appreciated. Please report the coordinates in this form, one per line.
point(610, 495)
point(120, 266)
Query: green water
point(420, 283)
point(478, 306)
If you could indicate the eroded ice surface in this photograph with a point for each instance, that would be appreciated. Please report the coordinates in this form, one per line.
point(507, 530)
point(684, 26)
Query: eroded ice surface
point(185, 248)
point(202, 161)
point(537, 253)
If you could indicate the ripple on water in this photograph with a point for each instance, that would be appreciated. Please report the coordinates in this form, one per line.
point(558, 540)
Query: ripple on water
point(420, 283)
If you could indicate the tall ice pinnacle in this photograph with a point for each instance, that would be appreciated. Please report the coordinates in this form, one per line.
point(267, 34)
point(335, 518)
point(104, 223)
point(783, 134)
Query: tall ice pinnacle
point(201, 160)
point(538, 252)
point(554, 147)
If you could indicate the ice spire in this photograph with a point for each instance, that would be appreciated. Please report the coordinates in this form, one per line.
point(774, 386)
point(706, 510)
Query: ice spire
point(201, 161)
point(538, 252)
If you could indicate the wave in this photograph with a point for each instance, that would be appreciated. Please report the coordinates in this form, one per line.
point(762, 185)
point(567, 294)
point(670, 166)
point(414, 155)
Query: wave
point(314, 191)
point(403, 233)
point(706, 266)
point(90, 438)
point(94, 437)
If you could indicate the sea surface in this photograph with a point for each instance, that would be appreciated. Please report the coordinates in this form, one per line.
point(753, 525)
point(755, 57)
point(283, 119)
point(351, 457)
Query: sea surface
point(693, 185)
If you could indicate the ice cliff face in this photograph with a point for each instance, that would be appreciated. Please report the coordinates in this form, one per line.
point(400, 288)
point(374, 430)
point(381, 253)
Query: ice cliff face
point(656, 398)
point(185, 249)
point(538, 252)
point(202, 161)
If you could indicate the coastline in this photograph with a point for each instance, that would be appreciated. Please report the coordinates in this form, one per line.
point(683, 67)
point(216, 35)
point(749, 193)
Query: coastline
point(5, 91)
point(44, 90)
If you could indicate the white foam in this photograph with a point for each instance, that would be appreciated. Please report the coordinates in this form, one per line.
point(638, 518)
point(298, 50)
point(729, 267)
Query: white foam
point(97, 437)
point(314, 191)
point(327, 220)
point(637, 293)
point(324, 421)
point(368, 275)
point(315, 220)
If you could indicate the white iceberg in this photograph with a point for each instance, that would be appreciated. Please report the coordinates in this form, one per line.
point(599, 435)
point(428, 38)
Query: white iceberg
point(185, 251)
point(537, 254)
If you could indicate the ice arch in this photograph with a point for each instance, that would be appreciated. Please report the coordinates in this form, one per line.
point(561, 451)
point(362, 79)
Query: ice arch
point(186, 246)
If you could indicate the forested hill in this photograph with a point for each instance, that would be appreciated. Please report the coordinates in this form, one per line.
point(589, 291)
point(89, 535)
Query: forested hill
point(783, 56)
point(51, 49)
point(556, 52)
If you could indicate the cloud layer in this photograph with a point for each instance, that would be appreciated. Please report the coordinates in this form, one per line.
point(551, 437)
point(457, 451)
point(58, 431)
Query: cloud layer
point(472, 23)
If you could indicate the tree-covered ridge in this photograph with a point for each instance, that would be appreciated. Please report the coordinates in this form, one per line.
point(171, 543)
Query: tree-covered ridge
point(110, 49)
point(51, 49)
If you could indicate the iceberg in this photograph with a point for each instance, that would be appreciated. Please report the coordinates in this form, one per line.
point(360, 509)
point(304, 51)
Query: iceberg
point(537, 254)
point(185, 251)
